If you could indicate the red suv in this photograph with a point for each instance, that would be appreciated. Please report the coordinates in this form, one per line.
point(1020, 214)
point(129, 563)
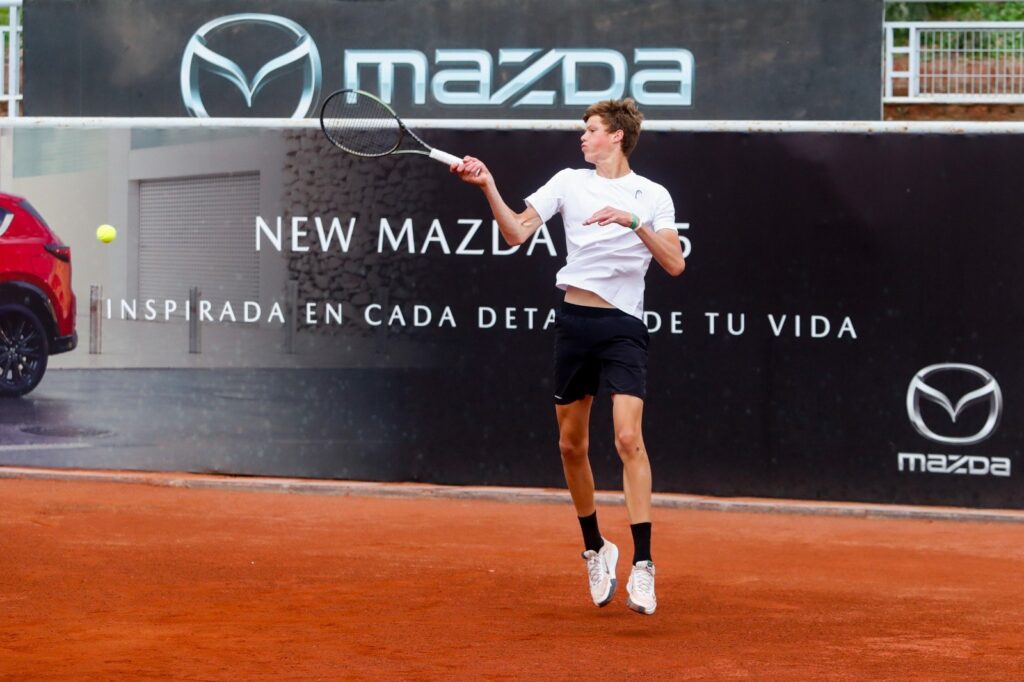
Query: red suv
point(37, 306)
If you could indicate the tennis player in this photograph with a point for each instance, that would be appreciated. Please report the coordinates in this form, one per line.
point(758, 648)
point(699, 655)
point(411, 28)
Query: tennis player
point(615, 222)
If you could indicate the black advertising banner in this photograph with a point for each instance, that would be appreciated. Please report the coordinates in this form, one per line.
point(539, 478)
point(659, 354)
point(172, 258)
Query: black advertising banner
point(848, 326)
point(686, 59)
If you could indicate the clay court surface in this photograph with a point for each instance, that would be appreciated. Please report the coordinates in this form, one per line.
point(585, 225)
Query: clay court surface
point(114, 580)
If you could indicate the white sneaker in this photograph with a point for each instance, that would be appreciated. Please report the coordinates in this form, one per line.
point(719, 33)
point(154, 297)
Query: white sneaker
point(601, 571)
point(641, 588)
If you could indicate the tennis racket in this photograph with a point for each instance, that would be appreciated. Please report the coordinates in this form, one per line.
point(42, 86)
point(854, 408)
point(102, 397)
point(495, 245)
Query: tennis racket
point(361, 124)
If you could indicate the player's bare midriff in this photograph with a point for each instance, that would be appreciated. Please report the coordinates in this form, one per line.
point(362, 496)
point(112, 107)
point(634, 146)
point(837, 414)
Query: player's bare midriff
point(578, 296)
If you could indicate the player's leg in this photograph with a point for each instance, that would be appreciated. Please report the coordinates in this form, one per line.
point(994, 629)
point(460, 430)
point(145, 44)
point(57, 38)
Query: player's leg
point(574, 441)
point(577, 374)
point(627, 415)
point(574, 444)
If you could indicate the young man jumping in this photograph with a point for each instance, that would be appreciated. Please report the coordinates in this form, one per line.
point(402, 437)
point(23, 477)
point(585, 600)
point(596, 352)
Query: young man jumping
point(615, 222)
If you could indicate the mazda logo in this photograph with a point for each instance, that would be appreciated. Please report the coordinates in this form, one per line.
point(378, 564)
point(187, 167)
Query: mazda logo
point(989, 391)
point(198, 57)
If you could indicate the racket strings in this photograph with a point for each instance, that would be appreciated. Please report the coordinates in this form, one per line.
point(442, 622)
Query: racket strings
point(360, 125)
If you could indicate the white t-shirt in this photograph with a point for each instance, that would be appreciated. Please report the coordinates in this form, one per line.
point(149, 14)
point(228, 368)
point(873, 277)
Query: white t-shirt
point(610, 261)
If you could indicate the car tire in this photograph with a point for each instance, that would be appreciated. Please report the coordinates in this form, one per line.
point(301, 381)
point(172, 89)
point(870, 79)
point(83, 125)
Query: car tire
point(24, 350)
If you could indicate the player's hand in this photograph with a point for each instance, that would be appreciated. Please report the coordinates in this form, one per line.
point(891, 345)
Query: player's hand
point(472, 171)
point(609, 215)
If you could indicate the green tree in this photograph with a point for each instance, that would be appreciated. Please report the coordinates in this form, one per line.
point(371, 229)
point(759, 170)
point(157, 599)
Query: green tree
point(954, 11)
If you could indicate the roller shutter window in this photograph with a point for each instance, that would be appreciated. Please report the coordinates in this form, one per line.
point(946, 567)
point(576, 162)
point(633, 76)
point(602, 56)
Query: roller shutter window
point(198, 231)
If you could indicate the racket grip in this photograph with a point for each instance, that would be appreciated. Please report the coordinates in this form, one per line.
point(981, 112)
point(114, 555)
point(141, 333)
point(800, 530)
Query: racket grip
point(444, 157)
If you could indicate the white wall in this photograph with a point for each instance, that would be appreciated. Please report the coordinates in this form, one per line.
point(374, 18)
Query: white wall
point(75, 203)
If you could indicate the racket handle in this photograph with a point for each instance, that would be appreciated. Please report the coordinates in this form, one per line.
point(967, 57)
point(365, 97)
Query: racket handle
point(444, 157)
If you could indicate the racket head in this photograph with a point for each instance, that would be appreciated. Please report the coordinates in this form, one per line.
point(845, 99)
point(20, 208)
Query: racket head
point(360, 123)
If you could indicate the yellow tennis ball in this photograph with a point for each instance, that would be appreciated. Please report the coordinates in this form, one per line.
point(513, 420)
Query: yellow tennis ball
point(106, 233)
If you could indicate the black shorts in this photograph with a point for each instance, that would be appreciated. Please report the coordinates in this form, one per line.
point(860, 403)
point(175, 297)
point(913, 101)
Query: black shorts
point(597, 347)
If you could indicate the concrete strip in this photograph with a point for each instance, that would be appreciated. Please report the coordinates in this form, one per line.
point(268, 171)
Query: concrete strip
point(505, 494)
point(44, 446)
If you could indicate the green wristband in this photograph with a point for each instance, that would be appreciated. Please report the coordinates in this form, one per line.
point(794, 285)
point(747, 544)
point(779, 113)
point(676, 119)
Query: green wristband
point(636, 222)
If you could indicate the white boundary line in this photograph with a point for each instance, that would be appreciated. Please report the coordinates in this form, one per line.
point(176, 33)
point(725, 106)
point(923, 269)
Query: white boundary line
point(499, 494)
point(848, 127)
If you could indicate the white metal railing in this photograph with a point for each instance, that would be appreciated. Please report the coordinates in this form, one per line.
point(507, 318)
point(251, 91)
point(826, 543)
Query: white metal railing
point(10, 69)
point(687, 125)
point(954, 62)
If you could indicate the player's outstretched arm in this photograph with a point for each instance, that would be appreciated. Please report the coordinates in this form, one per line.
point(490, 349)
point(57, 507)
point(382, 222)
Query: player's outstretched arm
point(516, 228)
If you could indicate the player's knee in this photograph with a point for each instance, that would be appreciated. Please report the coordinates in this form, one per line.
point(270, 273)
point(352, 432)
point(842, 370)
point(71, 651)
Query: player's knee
point(573, 451)
point(629, 444)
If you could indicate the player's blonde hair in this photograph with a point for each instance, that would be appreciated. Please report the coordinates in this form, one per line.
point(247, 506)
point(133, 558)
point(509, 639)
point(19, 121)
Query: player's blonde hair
point(619, 114)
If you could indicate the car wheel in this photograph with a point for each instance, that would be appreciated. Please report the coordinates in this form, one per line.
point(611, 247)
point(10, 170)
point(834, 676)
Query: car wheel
point(24, 350)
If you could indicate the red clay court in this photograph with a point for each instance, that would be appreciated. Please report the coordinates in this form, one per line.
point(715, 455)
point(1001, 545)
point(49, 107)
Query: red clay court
point(131, 580)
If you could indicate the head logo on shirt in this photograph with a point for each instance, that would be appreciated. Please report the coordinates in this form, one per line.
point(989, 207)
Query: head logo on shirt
point(639, 194)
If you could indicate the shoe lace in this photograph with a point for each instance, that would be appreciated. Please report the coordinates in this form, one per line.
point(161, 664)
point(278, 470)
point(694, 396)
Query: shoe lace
point(643, 580)
point(595, 568)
